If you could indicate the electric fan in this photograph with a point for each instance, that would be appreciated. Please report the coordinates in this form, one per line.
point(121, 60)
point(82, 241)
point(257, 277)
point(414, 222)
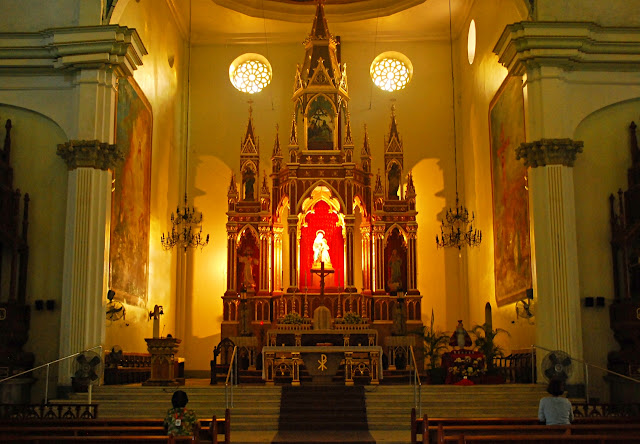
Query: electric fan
point(557, 365)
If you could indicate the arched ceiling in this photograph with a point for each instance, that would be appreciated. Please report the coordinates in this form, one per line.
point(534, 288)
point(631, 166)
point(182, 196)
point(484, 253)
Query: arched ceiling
point(247, 21)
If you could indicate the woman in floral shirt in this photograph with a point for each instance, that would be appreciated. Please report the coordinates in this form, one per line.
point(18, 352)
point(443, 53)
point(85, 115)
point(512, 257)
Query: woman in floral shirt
point(179, 419)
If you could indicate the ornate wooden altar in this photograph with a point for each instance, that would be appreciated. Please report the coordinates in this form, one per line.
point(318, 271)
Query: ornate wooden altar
point(323, 205)
point(15, 312)
point(624, 312)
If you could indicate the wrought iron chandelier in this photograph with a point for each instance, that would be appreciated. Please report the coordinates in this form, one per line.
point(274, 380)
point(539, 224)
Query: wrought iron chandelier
point(186, 229)
point(186, 222)
point(457, 228)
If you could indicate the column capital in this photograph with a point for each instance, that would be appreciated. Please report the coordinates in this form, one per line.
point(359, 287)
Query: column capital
point(89, 154)
point(545, 152)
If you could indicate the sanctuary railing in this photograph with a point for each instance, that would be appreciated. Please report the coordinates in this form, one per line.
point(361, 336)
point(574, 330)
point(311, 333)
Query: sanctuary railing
point(47, 365)
point(586, 367)
point(414, 380)
point(232, 378)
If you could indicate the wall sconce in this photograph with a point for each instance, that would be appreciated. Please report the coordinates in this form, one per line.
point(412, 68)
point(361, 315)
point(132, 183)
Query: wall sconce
point(51, 304)
point(600, 301)
point(39, 305)
point(589, 301)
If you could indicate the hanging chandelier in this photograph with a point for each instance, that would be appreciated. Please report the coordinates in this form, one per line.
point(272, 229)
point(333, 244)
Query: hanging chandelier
point(186, 222)
point(186, 229)
point(457, 228)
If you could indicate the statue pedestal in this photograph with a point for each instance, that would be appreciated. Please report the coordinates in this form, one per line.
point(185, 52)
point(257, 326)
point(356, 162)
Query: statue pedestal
point(162, 352)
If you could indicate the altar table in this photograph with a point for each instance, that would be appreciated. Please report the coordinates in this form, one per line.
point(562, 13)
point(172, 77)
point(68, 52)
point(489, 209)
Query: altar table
point(322, 362)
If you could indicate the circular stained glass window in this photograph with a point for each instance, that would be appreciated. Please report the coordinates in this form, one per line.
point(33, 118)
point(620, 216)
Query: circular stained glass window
point(250, 73)
point(391, 71)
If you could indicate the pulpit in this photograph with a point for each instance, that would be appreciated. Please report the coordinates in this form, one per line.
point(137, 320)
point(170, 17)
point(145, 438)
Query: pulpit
point(163, 368)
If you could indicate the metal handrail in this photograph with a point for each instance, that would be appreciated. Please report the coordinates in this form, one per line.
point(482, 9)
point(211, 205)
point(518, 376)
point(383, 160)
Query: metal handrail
point(232, 375)
point(46, 387)
point(586, 369)
point(417, 384)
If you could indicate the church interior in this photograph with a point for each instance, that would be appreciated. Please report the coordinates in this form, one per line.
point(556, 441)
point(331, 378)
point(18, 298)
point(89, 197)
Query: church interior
point(181, 199)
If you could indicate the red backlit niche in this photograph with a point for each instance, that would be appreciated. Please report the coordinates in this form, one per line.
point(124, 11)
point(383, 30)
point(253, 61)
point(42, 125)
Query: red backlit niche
point(321, 217)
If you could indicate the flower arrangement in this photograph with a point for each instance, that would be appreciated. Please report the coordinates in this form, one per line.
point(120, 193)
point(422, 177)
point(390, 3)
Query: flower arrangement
point(352, 318)
point(466, 366)
point(292, 318)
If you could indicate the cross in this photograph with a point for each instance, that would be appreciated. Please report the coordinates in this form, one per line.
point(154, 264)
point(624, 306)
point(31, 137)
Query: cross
point(322, 273)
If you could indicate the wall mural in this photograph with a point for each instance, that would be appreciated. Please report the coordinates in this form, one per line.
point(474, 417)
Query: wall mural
point(512, 246)
point(130, 212)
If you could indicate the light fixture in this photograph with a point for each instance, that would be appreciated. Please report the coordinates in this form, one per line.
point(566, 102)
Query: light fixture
point(250, 73)
point(391, 71)
point(457, 228)
point(186, 223)
point(471, 42)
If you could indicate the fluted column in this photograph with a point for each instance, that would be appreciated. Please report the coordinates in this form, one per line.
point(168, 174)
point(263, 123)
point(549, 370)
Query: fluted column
point(365, 232)
point(277, 258)
point(378, 259)
point(265, 259)
point(412, 255)
point(349, 281)
point(86, 255)
point(556, 279)
point(293, 253)
point(232, 234)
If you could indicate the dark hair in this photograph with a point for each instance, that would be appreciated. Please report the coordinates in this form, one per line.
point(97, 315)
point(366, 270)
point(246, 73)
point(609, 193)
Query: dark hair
point(179, 399)
point(556, 387)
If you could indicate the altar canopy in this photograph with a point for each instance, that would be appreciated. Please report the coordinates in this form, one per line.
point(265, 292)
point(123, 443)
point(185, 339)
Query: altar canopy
point(321, 211)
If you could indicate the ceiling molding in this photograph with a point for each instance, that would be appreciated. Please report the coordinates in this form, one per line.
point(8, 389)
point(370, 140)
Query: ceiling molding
point(300, 12)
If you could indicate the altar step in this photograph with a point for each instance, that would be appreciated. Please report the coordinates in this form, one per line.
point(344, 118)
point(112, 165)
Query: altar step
point(387, 406)
point(257, 407)
point(308, 414)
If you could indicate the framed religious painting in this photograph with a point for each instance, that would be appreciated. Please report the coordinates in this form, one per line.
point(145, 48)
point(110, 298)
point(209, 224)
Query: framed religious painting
point(130, 199)
point(512, 243)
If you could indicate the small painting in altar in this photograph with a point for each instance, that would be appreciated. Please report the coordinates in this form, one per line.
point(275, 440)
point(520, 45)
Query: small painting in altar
point(320, 125)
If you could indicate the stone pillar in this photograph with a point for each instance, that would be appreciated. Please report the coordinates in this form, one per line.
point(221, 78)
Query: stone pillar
point(556, 279)
point(293, 253)
point(86, 255)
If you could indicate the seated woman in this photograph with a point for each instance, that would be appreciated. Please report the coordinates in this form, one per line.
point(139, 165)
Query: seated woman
point(554, 410)
point(180, 420)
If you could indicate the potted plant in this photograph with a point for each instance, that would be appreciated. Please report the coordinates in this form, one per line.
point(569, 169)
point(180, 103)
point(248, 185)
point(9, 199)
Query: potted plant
point(292, 318)
point(434, 344)
point(485, 342)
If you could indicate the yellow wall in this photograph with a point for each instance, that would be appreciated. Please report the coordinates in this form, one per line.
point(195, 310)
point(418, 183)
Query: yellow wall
point(41, 173)
point(161, 77)
point(476, 85)
point(598, 172)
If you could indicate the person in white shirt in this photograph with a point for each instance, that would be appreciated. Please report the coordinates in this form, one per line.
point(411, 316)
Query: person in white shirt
point(555, 409)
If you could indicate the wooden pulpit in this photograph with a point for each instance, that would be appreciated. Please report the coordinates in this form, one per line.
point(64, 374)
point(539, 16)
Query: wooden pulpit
point(163, 368)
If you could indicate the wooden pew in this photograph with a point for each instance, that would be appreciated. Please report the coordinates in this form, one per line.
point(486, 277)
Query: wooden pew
point(444, 432)
point(114, 429)
point(542, 439)
point(98, 439)
point(433, 424)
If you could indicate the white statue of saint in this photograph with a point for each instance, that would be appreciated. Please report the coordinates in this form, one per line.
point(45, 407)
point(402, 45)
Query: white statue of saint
point(321, 250)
